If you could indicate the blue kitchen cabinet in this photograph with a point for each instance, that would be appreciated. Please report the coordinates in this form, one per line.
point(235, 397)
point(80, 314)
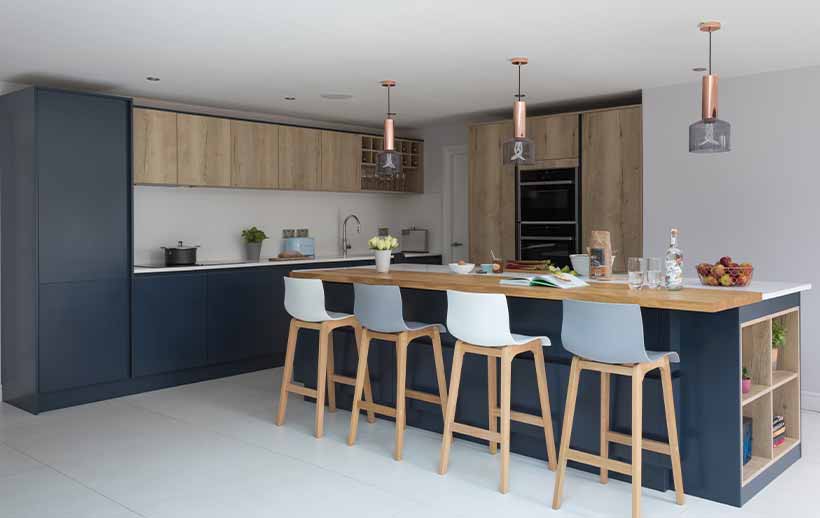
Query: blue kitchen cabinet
point(65, 159)
point(83, 337)
point(240, 315)
point(168, 323)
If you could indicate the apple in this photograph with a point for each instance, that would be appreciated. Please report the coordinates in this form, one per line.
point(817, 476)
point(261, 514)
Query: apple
point(726, 280)
point(718, 271)
point(726, 260)
point(710, 280)
point(742, 280)
point(704, 268)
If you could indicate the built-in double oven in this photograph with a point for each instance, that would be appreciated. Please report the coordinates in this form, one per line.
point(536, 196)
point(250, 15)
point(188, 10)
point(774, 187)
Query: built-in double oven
point(548, 213)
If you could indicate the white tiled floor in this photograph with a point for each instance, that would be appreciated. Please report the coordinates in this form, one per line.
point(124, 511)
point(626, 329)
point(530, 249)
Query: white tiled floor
point(211, 450)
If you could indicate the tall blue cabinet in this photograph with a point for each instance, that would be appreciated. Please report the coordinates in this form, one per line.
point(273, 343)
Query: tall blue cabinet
point(65, 168)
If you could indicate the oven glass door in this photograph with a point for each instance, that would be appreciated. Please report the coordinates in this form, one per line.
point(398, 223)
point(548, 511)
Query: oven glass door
point(547, 201)
point(554, 242)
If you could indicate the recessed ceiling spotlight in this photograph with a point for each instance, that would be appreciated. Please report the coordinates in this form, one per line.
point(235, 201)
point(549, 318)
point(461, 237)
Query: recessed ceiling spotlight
point(153, 79)
point(336, 97)
point(699, 69)
point(290, 98)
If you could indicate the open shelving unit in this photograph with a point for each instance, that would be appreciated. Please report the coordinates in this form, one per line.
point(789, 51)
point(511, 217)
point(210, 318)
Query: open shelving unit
point(412, 162)
point(775, 388)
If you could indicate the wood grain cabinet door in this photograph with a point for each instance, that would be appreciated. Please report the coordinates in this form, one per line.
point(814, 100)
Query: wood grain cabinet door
point(555, 136)
point(204, 150)
point(492, 194)
point(255, 150)
point(300, 157)
point(612, 180)
point(155, 146)
point(341, 159)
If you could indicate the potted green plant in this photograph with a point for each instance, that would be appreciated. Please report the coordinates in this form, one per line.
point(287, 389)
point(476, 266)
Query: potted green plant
point(253, 242)
point(746, 381)
point(383, 247)
point(778, 340)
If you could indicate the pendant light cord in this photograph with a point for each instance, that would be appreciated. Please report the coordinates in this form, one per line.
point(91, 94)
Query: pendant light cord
point(710, 53)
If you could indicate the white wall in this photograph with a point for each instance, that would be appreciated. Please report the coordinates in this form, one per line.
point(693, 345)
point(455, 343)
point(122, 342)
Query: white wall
point(213, 218)
point(757, 203)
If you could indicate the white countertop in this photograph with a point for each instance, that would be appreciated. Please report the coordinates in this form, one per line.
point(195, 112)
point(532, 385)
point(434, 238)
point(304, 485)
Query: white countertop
point(219, 265)
point(768, 289)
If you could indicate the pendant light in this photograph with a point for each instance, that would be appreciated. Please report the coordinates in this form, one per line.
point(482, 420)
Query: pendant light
point(710, 134)
point(519, 150)
point(388, 161)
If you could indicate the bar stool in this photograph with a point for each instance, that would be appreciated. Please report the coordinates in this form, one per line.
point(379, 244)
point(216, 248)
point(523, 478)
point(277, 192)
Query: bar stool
point(380, 311)
point(608, 338)
point(481, 324)
point(305, 302)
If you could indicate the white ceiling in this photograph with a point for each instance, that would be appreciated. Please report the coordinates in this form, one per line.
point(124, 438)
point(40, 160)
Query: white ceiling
point(448, 56)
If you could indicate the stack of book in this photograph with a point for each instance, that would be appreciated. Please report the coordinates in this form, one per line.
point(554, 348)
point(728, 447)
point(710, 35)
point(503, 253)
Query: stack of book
point(778, 430)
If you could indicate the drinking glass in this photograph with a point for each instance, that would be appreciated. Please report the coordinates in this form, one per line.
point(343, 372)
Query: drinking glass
point(636, 267)
point(653, 272)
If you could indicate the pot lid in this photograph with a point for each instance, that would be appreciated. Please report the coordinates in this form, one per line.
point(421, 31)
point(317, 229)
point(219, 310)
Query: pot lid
point(180, 246)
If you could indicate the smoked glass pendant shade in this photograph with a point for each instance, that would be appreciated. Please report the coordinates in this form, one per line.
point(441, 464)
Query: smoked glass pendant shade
point(519, 151)
point(710, 136)
point(388, 163)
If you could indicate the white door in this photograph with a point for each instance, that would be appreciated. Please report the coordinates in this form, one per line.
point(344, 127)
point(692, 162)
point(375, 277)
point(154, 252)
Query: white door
point(459, 207)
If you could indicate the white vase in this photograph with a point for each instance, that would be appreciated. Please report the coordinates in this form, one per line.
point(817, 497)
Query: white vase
point(383, 260)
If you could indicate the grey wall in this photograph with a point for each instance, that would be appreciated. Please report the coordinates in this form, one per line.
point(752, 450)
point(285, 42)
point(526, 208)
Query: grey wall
point(757, 203)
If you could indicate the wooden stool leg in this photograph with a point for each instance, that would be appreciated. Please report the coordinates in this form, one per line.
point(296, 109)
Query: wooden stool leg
point(672, 429)
point(361, 377)
point(455, 380)
point(401, 397)
point(441, 377)
point(566, 431)
point(287, 373)
point(321, 379)
point(368, 391)
point(546, 412)
point(331, 372)
point(605, 386)
point(492, 398)
point(637, 438)
point(506, 387)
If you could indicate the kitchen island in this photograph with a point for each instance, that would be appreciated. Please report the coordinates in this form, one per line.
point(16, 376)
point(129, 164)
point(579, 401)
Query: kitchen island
point(717, 332)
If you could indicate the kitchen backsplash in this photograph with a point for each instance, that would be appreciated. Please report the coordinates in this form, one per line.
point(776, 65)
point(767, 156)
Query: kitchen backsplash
point(213, 219)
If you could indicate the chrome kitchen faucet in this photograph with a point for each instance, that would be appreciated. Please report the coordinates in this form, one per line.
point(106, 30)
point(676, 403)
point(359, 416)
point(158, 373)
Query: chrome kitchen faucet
point(345, 242)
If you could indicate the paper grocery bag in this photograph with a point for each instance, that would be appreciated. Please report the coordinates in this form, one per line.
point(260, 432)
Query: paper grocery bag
point(600, 255)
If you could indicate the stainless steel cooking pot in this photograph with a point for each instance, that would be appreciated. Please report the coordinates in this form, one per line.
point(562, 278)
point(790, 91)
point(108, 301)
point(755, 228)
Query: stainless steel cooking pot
point(180, 255)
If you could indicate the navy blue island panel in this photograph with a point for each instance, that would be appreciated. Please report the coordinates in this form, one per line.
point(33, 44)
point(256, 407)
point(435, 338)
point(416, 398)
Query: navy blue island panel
point(706, 383)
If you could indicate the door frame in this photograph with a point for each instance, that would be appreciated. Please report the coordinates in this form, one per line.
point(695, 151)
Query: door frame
point(448, 152)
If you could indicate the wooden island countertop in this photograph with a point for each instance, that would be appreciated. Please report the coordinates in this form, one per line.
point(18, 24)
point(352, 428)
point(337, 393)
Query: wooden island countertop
point(439, 278)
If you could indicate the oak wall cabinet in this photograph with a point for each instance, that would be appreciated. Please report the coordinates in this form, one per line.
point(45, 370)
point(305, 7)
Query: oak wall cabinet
point(612, 180)
point(300, 158)
point(492, 193)
point(554, 136)
point(255, 155)
point(341, 154)
point(155, 147)
point(204, 150)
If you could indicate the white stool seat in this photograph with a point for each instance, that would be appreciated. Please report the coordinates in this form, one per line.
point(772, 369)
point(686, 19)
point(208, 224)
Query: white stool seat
point(334, 315)
point(415, 326)
point(657, 355)
point(523, 339)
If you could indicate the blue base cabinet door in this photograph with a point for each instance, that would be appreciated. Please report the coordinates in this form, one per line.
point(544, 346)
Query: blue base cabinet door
point(168, 321)
point(84, 333)
point(241, 321)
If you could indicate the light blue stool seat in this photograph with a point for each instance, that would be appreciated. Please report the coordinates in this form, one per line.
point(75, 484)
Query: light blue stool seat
point(481, 324)
point(305, 303)
point(609, 338)
point(380, 310)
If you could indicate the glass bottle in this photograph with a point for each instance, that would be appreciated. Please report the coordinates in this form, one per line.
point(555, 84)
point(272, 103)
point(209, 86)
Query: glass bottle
point(673, 267)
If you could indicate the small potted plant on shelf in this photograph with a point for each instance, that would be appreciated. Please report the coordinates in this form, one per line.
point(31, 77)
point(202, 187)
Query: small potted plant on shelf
point(778, 340)
point(253, 242)
point(383, 247)
point(746, 381)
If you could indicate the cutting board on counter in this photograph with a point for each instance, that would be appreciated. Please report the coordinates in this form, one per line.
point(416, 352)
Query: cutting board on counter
point(297, 258)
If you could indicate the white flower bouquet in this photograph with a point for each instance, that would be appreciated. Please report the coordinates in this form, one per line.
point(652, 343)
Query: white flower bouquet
point(383, 243)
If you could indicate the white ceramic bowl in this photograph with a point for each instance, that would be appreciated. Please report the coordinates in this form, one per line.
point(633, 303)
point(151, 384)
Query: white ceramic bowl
point(462, 268)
